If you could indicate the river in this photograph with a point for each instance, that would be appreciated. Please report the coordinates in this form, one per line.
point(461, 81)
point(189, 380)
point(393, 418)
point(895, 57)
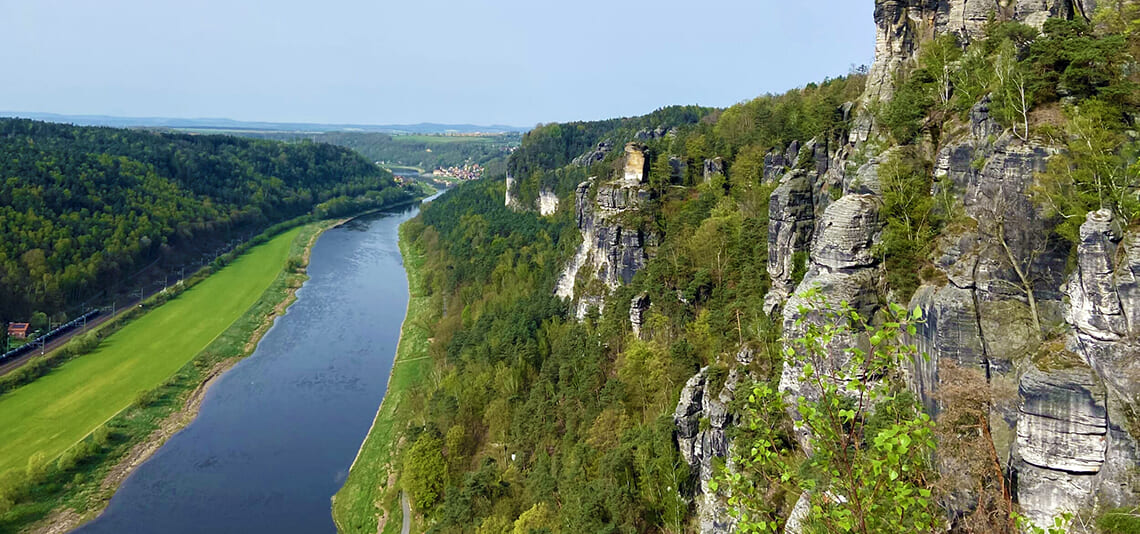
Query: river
point(277, 433)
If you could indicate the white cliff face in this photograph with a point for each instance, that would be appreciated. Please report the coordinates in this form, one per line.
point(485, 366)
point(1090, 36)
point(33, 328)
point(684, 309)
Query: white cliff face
point(547, 203)
point(511, 200)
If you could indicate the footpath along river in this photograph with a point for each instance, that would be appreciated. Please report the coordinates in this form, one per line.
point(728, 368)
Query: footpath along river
point(276, 434)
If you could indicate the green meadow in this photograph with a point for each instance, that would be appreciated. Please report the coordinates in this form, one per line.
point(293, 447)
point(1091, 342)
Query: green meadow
point(46, 417)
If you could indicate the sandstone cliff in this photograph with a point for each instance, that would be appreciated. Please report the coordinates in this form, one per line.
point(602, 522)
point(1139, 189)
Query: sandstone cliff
point(1000, 287)
point(615, 244)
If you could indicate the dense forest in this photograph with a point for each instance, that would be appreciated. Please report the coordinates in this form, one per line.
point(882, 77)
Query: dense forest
point(83, 208)
point(426, 152)
point(535, 421)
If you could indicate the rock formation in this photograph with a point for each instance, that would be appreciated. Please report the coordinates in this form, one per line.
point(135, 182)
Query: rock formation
point(997, 286)
point(547, 202)
point(713, 167)
point(614, 245)
point(597, 155)
point(638, 307)
point(511, 200)
point(702, 418)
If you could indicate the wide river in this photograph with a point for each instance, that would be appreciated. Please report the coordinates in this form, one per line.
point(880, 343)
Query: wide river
point(277, 433)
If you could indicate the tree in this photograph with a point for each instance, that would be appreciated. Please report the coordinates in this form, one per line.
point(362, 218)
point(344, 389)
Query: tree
point(866, 464)
point(425, 471)
point(1012, 89)
point(1098, 169)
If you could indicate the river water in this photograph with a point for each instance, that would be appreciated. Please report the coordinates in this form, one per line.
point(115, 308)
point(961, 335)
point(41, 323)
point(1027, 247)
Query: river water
point(277, 433)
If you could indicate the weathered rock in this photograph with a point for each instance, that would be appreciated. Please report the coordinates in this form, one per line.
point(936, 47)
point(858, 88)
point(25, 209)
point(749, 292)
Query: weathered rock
point(1101, 294)
point(1074, 450)
point(700, 447)
point(846, 233)
point(637, 309)
point(1061, 440)
point(511, 200)
point(902, 25)
point(636, 166)
point(1096, 309)
point(791, 219)
point(774, 166)
point(1063, 423)
point(547, 202)
point(612, 250)
point(713, 167)
point(950, 331)
point(597, 155)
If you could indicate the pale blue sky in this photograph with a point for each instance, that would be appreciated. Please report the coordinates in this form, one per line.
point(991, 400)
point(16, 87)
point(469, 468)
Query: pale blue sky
point(515, 62)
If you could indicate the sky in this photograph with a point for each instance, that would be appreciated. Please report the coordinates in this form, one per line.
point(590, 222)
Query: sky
point(513, 62)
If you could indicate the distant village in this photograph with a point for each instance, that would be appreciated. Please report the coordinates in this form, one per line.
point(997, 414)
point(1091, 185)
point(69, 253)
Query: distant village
point(470, 171)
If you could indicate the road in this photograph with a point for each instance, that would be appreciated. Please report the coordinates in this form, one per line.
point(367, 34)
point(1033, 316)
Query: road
point(407, 528)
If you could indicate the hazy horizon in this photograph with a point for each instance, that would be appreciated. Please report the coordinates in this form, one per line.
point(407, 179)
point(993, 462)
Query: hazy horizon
point(354, 62)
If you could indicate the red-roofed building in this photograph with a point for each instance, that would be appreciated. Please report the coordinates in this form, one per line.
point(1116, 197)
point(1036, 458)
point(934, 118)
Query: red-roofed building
point(18, 330)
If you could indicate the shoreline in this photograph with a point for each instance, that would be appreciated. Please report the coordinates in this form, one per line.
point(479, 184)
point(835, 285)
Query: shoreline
point(378, 445)
point(63, 519)
point(387, 390)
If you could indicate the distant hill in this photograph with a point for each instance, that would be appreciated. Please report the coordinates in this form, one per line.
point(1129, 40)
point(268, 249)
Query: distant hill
point(222, 125)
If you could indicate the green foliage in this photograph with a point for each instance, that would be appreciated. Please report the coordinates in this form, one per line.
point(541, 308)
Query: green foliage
point(912, 222)
point(1071, 60)
point(871, 445)
point(85, 208)
point(425, 471)
point(774, 121)
point(1119, 521)
point(1099, 169)
point(555, 145)
point(905, 114)
point(423, 151)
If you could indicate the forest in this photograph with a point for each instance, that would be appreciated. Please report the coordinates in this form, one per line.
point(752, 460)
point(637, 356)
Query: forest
point(426, 152)
point(83, 208)
point(534, 421)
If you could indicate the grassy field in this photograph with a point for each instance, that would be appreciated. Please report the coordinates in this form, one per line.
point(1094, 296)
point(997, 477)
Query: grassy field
point(357, 506)
point(48, 416)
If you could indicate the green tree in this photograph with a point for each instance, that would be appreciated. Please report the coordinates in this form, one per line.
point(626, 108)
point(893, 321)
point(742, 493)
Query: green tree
point(1099, 169)
point(869, 445)
point(425, 471)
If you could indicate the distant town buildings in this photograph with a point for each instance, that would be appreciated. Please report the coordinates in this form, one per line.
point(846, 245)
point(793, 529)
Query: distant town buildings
point(470, 171)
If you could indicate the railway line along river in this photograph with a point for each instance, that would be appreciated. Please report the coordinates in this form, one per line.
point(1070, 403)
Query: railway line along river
point(276, 434)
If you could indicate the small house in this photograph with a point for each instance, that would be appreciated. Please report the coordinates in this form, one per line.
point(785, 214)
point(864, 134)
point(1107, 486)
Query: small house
point(18, 330)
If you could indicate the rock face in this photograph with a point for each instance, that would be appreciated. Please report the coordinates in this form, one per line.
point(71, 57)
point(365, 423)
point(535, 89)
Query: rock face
point(511, 201)
point(701, 418)
point(713, 167)
point(844, 270)
point(901, 25)
point(638, 307)
point(791, 221)
point(547, 202)
point(597, 155)
point(1074, 444)
point(612, 248)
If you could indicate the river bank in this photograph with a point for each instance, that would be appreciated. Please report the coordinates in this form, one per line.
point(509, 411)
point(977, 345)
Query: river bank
point(61, 493)
point(362, 506)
